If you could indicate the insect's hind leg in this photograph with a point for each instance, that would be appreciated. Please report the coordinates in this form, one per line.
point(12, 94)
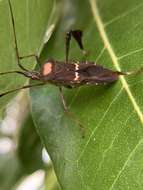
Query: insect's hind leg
point(77, 35)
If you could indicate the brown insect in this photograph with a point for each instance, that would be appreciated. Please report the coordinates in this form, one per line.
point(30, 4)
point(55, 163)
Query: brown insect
point(67, 73)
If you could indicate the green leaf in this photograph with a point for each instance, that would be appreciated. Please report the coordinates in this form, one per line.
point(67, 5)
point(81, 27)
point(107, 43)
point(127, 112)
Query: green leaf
point(51, 180)
point(29, 147)
point(110, 155)
point(31, 21)
point(10, 171)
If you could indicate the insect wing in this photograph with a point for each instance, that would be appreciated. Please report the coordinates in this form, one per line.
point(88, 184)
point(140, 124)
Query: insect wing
point(96, 74)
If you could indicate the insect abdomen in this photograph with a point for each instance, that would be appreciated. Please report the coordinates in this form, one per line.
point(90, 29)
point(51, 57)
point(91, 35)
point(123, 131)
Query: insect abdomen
point(96, 74)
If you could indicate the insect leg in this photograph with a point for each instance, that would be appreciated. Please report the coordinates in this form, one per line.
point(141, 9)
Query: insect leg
point(63, 100)
point(31, 55)
point(70, 113)
point(77, 35)
point(10, 72)
point(15, 40)
point(68, 39)
point(23, 87)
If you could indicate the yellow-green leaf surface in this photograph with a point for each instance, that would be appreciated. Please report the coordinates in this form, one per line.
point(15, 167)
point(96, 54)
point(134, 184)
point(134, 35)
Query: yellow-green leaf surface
point(31, 20)
point(110, 156)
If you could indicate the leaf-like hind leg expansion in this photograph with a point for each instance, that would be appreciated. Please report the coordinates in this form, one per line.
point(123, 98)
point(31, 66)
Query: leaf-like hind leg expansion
point(71, 115)
point(77, 35)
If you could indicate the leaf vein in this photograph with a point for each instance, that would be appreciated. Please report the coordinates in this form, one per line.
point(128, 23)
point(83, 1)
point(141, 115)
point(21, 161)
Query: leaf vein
point(111, 145)
point(99, 123)
point(100, 54)
point(126, 163)
point(123, 15)
point(130, 53)
point(114, 58)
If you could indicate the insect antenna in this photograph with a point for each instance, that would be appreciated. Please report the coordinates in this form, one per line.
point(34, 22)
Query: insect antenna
point(11, 72)
point(15, 40)
point(22, 87)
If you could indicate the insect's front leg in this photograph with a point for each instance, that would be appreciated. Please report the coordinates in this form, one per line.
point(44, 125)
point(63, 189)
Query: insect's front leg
point(32, 55)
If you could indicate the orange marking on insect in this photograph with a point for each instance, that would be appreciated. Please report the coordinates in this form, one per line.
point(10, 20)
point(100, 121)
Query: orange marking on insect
point(47, 69)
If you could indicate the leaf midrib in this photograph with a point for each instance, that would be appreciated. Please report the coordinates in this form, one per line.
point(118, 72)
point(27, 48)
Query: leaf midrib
point(113, 56)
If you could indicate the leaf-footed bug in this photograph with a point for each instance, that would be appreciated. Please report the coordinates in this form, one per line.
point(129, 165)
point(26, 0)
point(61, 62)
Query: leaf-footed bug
point(67, 73)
